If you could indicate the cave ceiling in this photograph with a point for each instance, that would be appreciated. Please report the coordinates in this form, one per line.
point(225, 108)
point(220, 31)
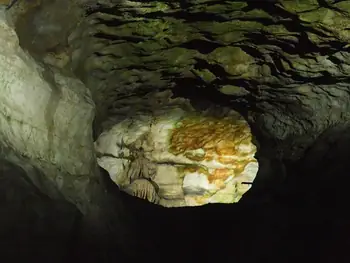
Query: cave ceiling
point(255, 88)
point(283, 65)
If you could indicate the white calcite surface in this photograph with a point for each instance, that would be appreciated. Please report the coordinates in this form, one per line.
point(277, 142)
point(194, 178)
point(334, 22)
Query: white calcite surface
point(45, 116)
point(46, 125)
point(191, 158)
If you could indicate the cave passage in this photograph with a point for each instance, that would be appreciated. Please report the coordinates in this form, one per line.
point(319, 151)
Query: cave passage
point(174, 131)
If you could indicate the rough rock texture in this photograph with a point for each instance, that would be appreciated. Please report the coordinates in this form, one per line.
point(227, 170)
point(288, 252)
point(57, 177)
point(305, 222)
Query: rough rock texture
point(192, 158)
point(45, 124)
point(45, 116)
point(284, 64)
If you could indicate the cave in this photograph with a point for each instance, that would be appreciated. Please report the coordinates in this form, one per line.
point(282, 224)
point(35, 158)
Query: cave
point(174, 131)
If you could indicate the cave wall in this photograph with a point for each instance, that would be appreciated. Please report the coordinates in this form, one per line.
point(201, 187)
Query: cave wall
point(45, 116)
point(33, 226)
point(46, 119)
point(284, 64)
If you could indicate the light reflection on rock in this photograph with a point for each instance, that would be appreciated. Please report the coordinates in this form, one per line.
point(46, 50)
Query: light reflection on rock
point(198, 158)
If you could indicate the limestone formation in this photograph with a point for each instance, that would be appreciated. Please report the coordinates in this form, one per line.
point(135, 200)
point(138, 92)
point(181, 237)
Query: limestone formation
point(283, 63)
point(144, 189)
point(45, 116)
point(219, 96)
point(198, 158)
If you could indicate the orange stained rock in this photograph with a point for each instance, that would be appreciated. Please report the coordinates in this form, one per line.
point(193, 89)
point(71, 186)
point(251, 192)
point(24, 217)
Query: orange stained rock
point(194, 169)
point(207, 133)
point(194, 157)
point(226, 147)
point(209, 155)
point(220, 184)
point(220, 175)
point(240, 165)
point(220, 140)
point(226, 159)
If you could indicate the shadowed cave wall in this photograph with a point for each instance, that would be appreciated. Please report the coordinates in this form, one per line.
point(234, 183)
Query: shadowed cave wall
point(284, 65)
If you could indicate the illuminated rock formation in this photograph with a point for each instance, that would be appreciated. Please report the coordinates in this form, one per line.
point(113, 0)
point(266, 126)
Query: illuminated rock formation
point(50, 181)
point(194, 158)
point(44, 115)
point(283, 64)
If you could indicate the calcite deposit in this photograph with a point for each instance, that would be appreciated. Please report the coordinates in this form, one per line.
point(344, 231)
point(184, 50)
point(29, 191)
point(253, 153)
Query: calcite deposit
point(189, 158)
point(45, 115)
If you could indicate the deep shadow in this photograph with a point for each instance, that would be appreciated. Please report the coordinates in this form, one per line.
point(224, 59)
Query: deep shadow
point(306, 219)
point(298, 217)
point(33, 228)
